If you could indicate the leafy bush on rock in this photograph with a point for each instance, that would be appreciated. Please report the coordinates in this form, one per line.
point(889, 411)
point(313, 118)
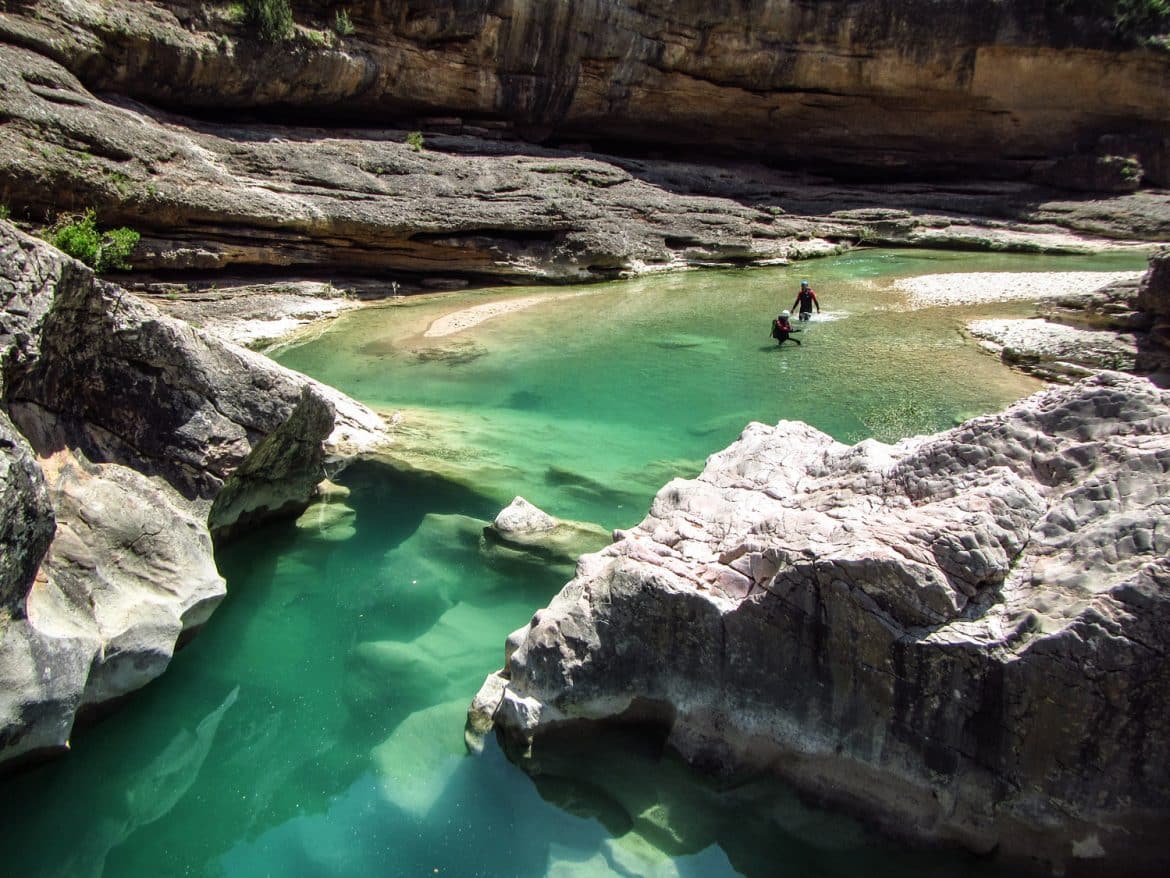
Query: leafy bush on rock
point(342, 24)
point(101, 251)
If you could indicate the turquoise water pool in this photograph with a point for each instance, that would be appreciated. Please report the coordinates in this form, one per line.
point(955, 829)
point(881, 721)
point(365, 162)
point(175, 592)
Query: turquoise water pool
point(315, 726)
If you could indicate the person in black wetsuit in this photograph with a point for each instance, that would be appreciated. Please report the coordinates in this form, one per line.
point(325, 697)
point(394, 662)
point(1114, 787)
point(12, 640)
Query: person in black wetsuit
point(806, 299)
point(782, 330)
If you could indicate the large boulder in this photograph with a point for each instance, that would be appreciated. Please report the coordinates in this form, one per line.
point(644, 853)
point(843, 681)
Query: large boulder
point(125, 426)
point(961, 637)
point(1154, 299)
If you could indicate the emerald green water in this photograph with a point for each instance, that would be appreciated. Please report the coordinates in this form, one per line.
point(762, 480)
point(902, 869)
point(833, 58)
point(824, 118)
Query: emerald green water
point(315, 726)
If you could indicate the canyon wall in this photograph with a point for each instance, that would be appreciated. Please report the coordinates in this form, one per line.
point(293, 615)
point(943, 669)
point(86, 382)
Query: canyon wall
point(231, 154)
point(877, 86)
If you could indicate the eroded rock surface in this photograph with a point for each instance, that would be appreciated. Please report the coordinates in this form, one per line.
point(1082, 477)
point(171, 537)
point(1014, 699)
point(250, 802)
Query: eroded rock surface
point(521, 529)
point(214, 196)
point(26, 516)
point(129, 425)
point(1154, 299)
point(875, 84)
point(962, 637)
point(1056, 352)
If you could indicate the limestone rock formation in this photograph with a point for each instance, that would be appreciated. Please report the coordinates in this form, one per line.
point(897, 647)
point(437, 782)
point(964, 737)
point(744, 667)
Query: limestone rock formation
point(807, 83)
point(1154, 299)
point(961, 637)
point(1054, 351)
point(135, 421)
point(26, 516)
point(872, 84)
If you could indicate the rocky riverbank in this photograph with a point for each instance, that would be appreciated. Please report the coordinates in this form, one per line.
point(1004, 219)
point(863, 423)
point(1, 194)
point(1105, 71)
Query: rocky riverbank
point(1118, 325)
point(960, 637)
point(126, 439)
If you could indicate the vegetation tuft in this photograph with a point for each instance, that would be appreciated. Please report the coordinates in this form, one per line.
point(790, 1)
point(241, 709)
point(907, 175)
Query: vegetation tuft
point(415, 141)
point(81, 239)
point(272, 20)
point(342, 25)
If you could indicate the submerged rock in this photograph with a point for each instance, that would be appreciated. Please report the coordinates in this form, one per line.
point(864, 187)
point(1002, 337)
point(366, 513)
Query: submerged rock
point(960, 637)
point(528, 530)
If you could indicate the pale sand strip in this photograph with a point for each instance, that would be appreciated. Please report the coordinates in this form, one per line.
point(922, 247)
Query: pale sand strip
point(457, 321)
point(974, 288)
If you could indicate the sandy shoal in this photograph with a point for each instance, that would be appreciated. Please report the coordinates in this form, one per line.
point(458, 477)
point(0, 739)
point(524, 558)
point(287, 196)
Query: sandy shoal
point(466, 318)
point(973, 288)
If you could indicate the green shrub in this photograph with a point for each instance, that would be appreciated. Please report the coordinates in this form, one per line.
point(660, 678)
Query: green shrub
point(415, 141)
point(117, 245)
point(101, 251)
point(5, 213)
point(272, 20)
point(1140, 20)
point(342, 26)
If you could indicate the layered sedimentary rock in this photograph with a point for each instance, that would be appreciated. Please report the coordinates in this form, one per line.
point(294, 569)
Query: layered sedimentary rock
point(809, 83)
point(864, 83)
point(961, 637)
point(135, 422)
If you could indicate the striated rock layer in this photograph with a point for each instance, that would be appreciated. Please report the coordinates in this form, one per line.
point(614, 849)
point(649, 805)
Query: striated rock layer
point(125, 424)
point(882, 85)
point(863, 86)
point(962, 637)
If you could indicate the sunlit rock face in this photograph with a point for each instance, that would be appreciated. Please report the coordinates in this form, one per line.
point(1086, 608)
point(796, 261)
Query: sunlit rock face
point(125, 424)
point(961, 637)
point(1120, 326)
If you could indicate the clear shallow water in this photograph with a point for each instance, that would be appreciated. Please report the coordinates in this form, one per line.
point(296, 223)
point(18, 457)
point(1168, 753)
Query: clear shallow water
point(315, 726)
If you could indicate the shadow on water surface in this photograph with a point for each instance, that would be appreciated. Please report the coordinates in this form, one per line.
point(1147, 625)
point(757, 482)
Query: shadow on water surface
point(662, 818)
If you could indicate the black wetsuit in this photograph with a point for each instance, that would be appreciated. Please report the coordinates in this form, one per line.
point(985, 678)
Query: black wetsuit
point(781, 331)
point(805, 299)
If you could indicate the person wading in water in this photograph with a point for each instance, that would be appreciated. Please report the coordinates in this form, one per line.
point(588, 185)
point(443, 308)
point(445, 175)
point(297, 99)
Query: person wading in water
point(782, 330)
point(805, 299)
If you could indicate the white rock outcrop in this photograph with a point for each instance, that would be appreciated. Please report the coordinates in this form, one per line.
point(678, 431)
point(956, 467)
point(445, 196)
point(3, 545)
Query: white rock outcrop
point(119, 429)
point(962, 637)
